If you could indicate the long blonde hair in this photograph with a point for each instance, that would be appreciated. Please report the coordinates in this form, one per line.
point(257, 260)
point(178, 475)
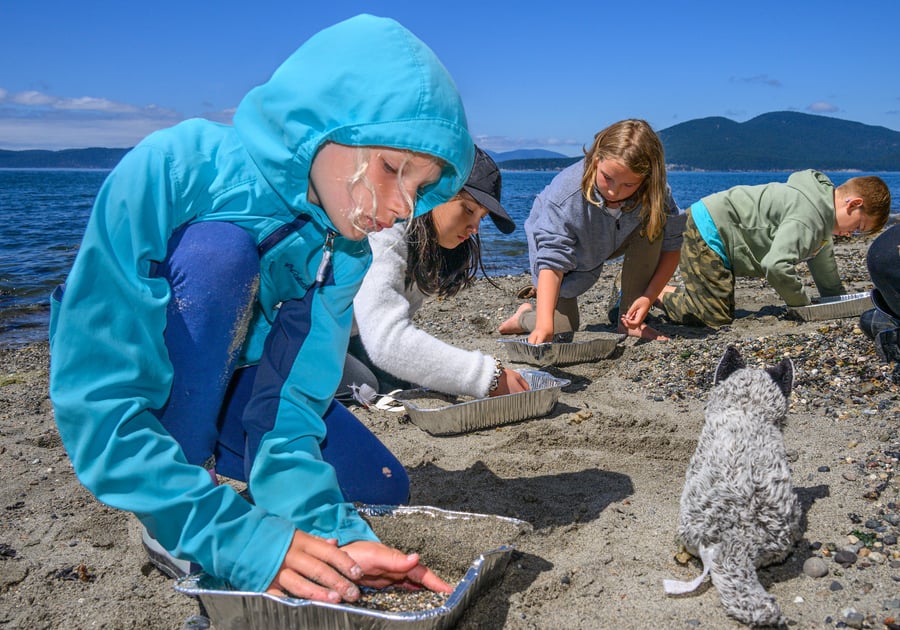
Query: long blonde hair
point(633, 143)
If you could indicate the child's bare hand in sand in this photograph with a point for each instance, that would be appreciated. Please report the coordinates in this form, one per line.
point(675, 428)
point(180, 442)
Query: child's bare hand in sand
point(315, 568)
point(510, 382)
point(385, 566)
point(632, 322)
point(539, 335)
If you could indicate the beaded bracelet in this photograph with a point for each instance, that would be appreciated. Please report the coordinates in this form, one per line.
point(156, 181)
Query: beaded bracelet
point(498, 372)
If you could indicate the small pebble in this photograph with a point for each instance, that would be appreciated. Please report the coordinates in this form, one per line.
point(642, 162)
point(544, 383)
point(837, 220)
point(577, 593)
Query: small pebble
point(844, 557)
point(876, 557)
point(852, 618)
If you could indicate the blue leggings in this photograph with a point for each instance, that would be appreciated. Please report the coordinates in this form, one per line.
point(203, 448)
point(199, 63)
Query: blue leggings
point(213, 269)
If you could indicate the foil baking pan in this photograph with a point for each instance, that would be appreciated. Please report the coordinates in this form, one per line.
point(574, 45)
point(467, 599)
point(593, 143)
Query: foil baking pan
point(230, 609)
point(850, 305)
point(580, 348)
point(444, 414)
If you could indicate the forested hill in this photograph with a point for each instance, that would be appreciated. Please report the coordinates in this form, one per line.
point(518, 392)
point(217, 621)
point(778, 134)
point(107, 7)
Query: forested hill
point(781, 141)
point(770, 142)
point(774, 141)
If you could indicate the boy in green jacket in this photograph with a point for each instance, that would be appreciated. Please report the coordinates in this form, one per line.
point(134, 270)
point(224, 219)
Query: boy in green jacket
point(763, 232)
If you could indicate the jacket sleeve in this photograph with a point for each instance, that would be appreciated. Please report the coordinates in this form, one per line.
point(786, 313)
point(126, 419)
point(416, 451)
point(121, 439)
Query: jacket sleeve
point(824, 270)
point(790, 245)
point(110, 368)
point(553, 236)
point(384, 312)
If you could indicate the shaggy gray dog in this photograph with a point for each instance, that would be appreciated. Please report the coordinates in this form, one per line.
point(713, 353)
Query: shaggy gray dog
point(738, 508)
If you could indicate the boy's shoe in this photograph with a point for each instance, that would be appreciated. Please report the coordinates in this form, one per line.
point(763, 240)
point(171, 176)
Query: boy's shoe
point(874, 321)
point(887, 345)
point(164, 561)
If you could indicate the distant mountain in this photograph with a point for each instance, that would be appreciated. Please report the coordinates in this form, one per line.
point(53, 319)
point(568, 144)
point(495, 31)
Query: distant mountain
point(523, 154)
point(538, 164)
point(774, 141)
point(780, 141)
point(98, 158)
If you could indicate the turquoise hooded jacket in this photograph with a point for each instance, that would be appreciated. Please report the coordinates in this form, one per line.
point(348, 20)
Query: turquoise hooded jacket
point(366, 81)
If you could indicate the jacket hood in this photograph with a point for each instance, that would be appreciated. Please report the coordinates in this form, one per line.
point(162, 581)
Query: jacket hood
point(364, 81)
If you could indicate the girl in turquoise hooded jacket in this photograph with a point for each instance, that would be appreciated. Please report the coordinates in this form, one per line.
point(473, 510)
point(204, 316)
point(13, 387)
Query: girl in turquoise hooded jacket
point(207, 314)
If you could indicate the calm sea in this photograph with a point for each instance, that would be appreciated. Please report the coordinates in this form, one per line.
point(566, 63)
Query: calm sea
point(44, 213)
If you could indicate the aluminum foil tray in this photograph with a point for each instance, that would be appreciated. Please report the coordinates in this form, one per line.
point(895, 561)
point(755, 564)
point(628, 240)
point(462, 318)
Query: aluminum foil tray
point(443, 414)
point(581, 348)
point(229, 609)
point(850, 305)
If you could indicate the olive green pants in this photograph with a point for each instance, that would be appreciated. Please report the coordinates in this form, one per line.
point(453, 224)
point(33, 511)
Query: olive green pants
point(707, 298)
point(640, 259)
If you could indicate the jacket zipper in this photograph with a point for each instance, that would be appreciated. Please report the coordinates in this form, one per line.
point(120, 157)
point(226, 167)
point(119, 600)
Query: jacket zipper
point(327, 251)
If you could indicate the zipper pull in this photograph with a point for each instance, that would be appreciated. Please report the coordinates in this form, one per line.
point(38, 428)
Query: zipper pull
point(327, 251)
point(617, 223)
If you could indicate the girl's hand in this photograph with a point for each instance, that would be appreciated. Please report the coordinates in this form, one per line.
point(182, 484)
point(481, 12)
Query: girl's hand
point(540, 336)
point(637, 312)
point(314, 568)
point(632, 322)
point(385, 566)
point(510, 382)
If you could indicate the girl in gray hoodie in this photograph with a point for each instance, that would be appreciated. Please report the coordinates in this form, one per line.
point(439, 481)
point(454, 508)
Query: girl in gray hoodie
point(615, 202)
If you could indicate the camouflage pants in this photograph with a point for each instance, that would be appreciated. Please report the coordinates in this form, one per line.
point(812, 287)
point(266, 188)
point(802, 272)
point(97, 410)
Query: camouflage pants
point(707, 298)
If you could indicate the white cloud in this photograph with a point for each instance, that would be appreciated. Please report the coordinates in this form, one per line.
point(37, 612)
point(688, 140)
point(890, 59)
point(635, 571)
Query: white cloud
point(31, 99)
point(822, 107)
point(35, 120)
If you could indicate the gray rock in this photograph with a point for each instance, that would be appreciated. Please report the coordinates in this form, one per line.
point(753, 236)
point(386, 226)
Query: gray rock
point(845, 557)
point(815, 567)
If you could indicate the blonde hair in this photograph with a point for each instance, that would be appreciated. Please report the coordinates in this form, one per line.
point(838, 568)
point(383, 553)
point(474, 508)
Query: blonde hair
point(876, 199)
point(633, 143)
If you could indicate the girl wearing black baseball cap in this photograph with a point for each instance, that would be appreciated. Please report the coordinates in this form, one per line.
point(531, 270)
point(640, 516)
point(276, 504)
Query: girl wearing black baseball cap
point(437, 254)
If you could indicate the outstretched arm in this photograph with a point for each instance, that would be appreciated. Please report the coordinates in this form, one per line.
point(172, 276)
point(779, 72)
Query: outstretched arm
point(637, 311)
point(549, 281)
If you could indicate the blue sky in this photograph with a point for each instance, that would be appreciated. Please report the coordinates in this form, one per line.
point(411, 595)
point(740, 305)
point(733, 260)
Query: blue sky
point(106, 73)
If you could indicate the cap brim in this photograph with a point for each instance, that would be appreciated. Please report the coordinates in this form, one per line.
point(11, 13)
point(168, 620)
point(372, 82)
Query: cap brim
point(497, 213)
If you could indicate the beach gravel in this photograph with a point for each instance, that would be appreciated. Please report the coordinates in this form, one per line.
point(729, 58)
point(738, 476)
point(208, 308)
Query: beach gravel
point(598, 479)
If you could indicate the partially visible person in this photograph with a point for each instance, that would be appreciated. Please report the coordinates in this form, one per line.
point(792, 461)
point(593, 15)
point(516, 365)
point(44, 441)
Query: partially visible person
point(615, 202)
point(437, 254)
point(765, 231)
point(203, 326)
point(882, 323)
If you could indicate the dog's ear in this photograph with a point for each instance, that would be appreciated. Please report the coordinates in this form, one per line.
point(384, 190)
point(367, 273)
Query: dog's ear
point(731, 362)
point(783, 375)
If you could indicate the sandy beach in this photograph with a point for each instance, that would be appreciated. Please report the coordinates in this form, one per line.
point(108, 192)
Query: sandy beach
point(598, 479)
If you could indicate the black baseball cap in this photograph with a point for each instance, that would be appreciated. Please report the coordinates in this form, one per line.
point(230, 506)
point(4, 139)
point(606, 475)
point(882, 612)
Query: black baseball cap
point(484, 184)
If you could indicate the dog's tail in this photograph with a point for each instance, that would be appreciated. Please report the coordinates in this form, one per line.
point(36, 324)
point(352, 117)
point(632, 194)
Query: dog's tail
point(744, 598)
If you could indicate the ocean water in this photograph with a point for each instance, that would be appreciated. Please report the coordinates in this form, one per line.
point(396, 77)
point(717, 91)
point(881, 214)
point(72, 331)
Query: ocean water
point(44, 213)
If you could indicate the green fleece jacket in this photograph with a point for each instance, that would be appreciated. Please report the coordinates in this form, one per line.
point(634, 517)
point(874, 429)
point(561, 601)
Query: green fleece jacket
point(768, 229)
